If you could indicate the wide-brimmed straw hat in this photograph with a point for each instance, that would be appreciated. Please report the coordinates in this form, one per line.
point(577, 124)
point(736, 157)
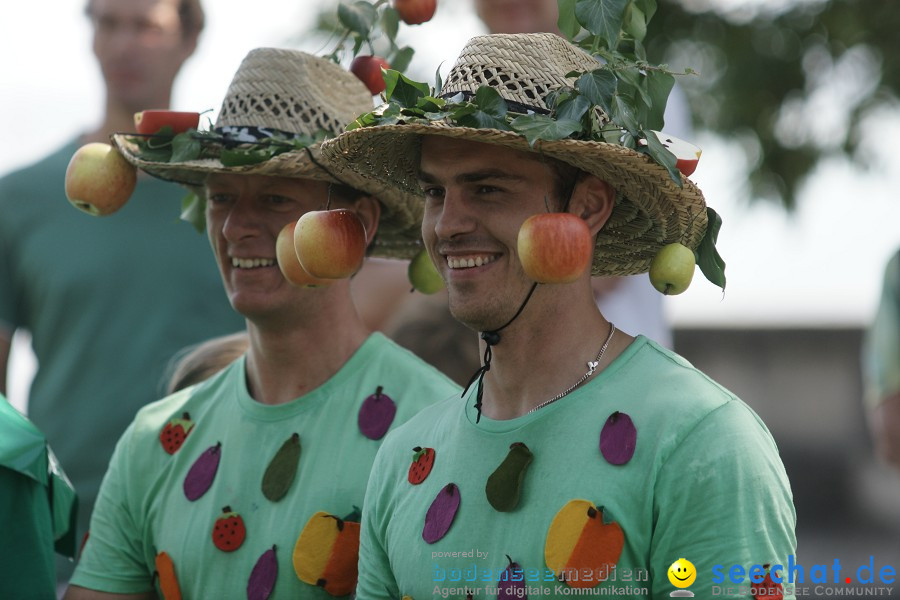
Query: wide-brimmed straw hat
point(651, 209)
point(288, 94)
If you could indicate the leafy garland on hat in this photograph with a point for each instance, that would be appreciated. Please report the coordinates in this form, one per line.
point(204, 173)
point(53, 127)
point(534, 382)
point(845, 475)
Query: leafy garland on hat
point(625, 87)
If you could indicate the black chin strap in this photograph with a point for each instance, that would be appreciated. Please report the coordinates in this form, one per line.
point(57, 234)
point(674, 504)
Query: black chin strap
point(490, 339)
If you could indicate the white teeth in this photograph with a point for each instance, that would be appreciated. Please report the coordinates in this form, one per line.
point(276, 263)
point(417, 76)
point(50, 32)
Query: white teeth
point(468, 263)
point(251, 263)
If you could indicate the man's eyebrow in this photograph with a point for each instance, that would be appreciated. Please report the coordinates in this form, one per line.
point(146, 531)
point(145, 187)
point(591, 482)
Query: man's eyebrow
point(474, 176)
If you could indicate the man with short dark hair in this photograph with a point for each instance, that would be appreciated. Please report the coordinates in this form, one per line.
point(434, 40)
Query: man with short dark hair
point(581, 459)
point(107, 306)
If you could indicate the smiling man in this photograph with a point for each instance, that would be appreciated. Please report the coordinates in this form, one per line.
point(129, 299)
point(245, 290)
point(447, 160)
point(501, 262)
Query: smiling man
point(248, 483)
point(580, 456)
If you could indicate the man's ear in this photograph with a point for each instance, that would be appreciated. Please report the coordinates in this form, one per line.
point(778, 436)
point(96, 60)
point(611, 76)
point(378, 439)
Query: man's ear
point(593, 200)
point(368, 208)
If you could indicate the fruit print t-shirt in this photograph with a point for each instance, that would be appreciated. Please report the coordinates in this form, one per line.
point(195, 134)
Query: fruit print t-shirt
point(215, 444)
point(687, 470)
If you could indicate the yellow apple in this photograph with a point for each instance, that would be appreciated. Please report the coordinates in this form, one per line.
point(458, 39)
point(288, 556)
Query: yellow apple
point(288, 262)
point(99, 180)
point(423, 275)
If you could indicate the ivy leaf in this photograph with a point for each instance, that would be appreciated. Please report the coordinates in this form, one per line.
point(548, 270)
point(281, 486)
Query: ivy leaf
point(366, 120)
point(402, 90)
point(193, 210)
point(623, 115)
point(438, 82)
point(599, 86)
point(567, 23)
point(659, 85)
point(358, 17)
point(573, 108)
point(663, 156)
point(711, 264)
point(402, 58)
point(489, 101)
point(430, 104)
point(240, 157)
point(390, 24)
point(603, 18)
point(543, 127)
point(648, 7)
point(634, 23)
point(633, 78)
point(185, 148)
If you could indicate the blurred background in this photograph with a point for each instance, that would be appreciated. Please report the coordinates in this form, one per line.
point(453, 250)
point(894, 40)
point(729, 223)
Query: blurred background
point(796, 108)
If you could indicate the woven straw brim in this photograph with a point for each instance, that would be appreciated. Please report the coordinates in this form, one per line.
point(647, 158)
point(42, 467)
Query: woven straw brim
point(399, 229)
point(651, 211)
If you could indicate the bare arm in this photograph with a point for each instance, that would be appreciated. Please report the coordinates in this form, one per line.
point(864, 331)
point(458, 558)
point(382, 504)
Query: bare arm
point(79, 593)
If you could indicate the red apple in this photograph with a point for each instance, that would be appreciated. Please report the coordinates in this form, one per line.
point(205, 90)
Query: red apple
point(289, 263)
point(331, 244)
point(368, 70)
point(687, 155)
point(99, 180)
point(415, 12)
point(151, 121)
point(555, 247)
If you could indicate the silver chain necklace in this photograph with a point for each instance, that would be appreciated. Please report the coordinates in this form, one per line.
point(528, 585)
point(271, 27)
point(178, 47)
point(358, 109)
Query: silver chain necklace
point(592, 366)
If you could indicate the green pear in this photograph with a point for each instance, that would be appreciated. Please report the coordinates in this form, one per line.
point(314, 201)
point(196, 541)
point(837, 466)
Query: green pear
point(423, 275)
point(672, 269)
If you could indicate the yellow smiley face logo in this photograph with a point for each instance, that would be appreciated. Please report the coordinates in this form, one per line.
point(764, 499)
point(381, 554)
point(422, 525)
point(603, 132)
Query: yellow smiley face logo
point(682, 573)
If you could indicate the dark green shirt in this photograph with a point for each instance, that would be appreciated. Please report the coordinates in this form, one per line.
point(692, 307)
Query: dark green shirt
point(108, 301)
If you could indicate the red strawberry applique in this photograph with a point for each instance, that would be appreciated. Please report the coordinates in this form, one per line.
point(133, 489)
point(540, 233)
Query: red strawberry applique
point(229, 531)
point(768, 589)
point(423, 461)
point(175, 432)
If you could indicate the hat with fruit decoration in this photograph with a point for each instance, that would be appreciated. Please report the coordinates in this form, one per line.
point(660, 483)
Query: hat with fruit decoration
point(541, 93)
point(280, 106)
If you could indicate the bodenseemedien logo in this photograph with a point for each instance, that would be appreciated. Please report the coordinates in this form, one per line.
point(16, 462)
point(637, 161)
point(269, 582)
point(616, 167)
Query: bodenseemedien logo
point(682, 574)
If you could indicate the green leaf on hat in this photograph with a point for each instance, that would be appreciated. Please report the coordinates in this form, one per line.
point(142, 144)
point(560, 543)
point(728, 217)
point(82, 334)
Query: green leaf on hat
point(663, 156)
point(659, 84)
point(239, 157)
point(603, 18)
point(193, 210)
point(185, 147)
point(402, 58)
point(634, 23)
point(567, 23)
point(358, 17)
point(598, 86)
point(390, 24)
point(489, 101)
point(708, 259)
point(572, 108)
point(623, 116)
point(402, 90)
point(543, 127)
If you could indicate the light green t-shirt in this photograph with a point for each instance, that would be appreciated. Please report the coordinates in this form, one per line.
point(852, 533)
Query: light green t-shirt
point(705, 482)
point(881, 346)
point(143, 508)
point(109, 301)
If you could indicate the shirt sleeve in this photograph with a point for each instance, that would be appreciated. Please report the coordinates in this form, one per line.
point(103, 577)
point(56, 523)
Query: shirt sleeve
point(881, 347)
point(9, 318)
point(376, 579)
point(722, 499)
point(28, 570)
point(113, 558)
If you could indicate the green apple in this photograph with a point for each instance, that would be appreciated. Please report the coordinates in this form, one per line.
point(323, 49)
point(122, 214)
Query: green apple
point(99, 180)
point(423, 275)
point(672, 269)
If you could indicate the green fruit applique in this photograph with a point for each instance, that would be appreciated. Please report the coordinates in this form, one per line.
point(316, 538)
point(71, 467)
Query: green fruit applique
point(327, 551)
point(441, 513)
point(263, 577)
point(175, 432)
point(504, 486)
point(376, 415)
point(423, 461)
point(202, 473)
point(282, 469)
point(618, 439)
point(229, 531)
point(578, 540)
point(168, 582)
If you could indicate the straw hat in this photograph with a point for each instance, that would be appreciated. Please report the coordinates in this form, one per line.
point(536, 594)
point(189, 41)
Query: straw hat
point(289, 94)
point(651, 210)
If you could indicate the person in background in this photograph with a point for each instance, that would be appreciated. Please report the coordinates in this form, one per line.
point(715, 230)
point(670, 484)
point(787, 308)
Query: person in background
point(37, 510)
point(881, 367)
point(200, 362)
point(248, 482)
point(107, 301)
